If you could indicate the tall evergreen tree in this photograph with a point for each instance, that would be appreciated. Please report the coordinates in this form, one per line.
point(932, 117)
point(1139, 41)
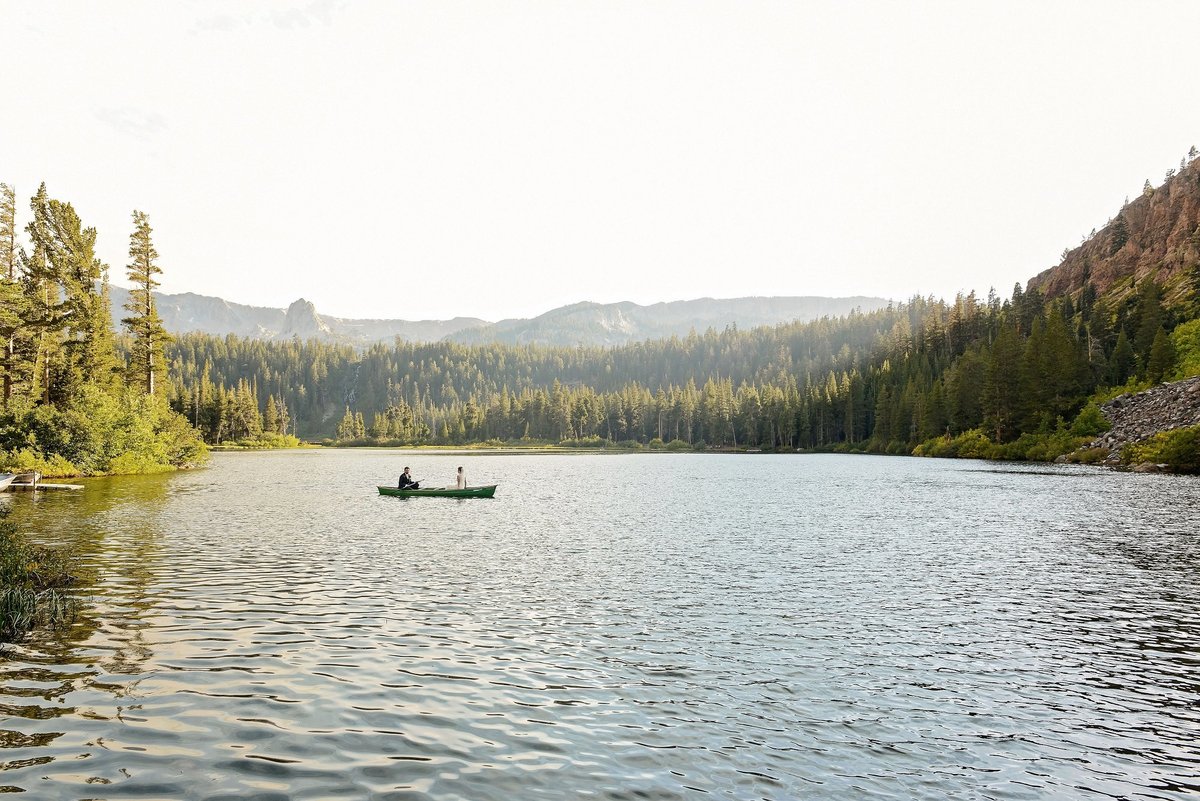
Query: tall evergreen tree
point(11, 305)
point(1122, 362)
point(1119, 234)
point(1161, 360)
point(1001, 394)
point(149, 336)
point(65, 255)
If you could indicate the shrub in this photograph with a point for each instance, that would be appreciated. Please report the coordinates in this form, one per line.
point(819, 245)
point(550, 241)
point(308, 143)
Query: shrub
point(1179, 449)
point(1087, 456)
point(585, 442)
point(25, 461)
point(1090, 422)
point(678, 445)
point(1186, 339)
point(98, 433)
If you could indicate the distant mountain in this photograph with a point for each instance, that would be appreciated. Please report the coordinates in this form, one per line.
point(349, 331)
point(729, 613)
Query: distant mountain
point(1155, 236)
point(578, 324)
point(621, 323)
point(190, 312)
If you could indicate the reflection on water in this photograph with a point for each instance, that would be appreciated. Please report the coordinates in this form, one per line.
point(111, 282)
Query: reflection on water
point(620, 627)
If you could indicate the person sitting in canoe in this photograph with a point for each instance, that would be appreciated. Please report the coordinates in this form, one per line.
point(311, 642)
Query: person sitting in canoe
point(406, 481)
point(461, 480)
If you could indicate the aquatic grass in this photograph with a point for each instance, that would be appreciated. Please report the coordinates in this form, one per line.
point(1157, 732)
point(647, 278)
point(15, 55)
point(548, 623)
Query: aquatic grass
point(32, 579)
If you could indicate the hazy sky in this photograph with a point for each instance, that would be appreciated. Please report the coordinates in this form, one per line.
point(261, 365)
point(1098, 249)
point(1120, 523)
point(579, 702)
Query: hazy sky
point(496, 159)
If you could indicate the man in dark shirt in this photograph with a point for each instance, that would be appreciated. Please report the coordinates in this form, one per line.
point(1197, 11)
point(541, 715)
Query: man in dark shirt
point(406, 481)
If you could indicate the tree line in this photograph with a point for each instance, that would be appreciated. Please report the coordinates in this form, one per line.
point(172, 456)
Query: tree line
point(1013, 374)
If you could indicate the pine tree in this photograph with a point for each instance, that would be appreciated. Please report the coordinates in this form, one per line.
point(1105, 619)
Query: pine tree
point(1149, 318)
point(271, 417)
point(1001, 396)
point(1162, 358)
point(69, 303)
point(1122, 362)
point(345, 429)
point(149, 336)
point(11, 297)
point(1119, 234)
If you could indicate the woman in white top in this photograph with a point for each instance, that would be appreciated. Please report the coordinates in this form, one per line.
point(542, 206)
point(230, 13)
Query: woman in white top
point(462, 479)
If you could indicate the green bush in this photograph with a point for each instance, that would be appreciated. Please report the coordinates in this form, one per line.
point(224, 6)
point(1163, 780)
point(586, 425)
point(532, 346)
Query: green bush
point(26, 461)
point(1090, 422)
point(973, 444)
point(98, 433)
point(585, 442)
point(1087, 456)
point(1179, 449)
point(678, 445)
point(1186, 339)
point(268, 440)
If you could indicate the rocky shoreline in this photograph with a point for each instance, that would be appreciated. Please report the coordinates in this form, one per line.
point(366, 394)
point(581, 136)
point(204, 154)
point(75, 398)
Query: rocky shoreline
point(1136, 417)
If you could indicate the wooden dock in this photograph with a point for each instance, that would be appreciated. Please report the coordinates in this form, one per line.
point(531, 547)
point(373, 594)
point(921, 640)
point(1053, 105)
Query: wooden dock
point(32, 481)
point(42, 485)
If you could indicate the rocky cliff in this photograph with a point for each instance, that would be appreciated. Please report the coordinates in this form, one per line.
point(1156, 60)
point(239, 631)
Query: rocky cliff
point(1137, 417)
point(1156, 236)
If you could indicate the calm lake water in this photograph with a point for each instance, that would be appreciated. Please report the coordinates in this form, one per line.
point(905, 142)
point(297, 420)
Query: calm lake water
point(617, 627)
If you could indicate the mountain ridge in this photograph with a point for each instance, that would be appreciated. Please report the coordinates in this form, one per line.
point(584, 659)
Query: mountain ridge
point(1156, 236)
point(582, 323)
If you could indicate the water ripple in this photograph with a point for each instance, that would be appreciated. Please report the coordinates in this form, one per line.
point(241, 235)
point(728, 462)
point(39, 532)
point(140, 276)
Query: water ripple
point(651, 627)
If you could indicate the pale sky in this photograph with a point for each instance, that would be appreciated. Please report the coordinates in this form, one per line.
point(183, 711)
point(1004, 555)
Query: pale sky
point(497, 159)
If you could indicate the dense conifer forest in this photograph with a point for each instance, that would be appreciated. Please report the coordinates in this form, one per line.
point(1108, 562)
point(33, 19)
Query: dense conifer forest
point(999, 378)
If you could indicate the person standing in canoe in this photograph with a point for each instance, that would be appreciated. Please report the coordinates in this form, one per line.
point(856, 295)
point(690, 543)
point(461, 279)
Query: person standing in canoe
point(462, 480)
point(406, 481)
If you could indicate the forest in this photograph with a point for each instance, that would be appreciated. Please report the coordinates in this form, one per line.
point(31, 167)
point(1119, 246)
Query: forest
point(991, 378)
point(75, 400)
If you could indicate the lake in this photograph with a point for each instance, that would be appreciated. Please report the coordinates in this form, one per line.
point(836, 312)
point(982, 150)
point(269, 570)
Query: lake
point(646, 626)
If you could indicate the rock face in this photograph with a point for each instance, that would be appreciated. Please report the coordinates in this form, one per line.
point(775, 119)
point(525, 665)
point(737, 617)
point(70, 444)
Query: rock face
point(1157, 235)
point(1139, 416)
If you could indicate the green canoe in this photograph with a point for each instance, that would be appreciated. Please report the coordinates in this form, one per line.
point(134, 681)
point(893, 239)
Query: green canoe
point(486, 491)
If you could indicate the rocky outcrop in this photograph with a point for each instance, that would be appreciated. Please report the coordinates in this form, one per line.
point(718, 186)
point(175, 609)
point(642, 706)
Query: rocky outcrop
point(1137, 417)
point(1156, 236)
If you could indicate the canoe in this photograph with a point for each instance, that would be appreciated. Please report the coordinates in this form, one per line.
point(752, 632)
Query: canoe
point(6, 479)
point(486, 491)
